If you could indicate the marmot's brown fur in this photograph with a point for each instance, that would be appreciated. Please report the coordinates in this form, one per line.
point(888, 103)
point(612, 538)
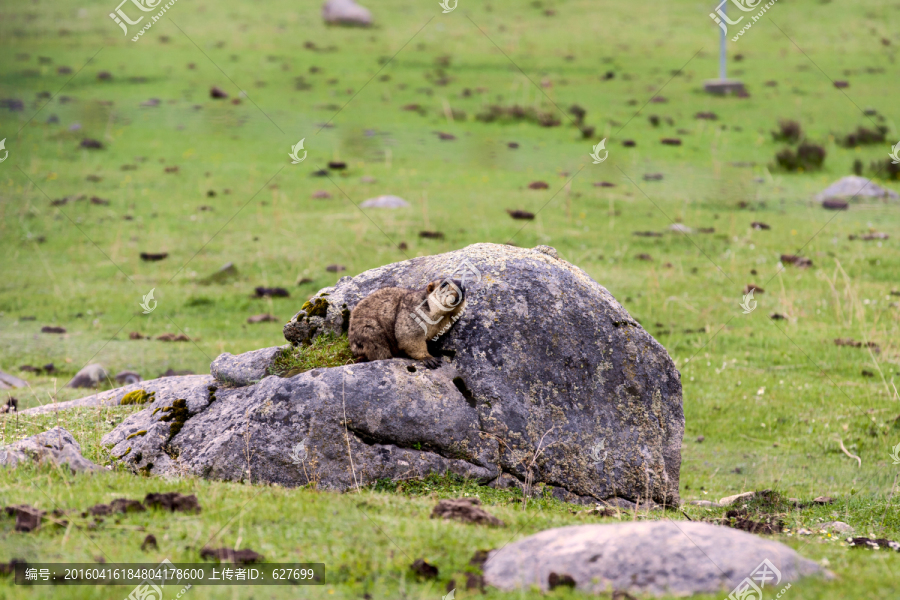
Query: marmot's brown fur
point(392, 322)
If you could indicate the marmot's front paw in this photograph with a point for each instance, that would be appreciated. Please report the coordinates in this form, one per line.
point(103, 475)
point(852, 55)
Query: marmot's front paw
point(432, 363)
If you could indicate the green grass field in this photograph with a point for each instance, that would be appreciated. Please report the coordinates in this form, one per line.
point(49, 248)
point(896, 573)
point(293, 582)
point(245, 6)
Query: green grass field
point(773, 399)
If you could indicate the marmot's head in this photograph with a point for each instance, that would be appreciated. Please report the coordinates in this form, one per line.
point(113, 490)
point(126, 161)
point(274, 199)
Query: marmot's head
point(446, 294)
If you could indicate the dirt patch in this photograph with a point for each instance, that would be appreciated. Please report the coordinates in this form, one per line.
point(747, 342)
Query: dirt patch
point(244, 556)
point(28, 518)
point(173, 502)
point(149, 543)
point(466, 510)
point(864, 542)
point(423, 569)
point(739, 519)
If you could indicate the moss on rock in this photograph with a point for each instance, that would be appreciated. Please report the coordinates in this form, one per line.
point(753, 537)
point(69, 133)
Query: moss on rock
point(138, 397)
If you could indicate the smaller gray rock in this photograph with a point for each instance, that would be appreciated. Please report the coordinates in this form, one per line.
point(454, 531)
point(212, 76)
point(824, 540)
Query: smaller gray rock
point(244, 369)
point(835, 526)
point(680, 228)
point(384, 202)
point(854, 187)
point(127, 377)
point(346, 12)
point(55, 446)
point(729, 500)
point(657, 558)
point(226, 273)
point(8, 382)
point(704, 503)
point(89, 377)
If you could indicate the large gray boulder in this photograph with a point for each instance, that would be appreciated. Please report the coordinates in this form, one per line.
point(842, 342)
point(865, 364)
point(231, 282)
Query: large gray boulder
point(545, 375)
point(55, 446)
point(657, 558)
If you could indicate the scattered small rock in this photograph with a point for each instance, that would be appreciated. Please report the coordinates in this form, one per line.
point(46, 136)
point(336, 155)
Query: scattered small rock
point(646, 257)
point(777, 317)
point(836, 526)
point(759, 225)
point(55, 446)
point(385, 202)
point(670, 141)
point(605, 184)
point(711, 116)
point(647, 234)
point(89, 377)
point(337, 165)
point(99, 201)
point(91, 144)
point(841, 84)
point(136, 335)
point(629, 143)
point(347, 13)
point(52, 329)
point(823, 500)
point(321, 195)
point(227, 272)
point(217, 93)
point(445, 136)
point(335, 268)
point(653, 177)
point(538, 185)
point(434, 235)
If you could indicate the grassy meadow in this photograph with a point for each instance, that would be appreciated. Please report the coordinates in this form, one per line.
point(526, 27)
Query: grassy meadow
point(768, 402)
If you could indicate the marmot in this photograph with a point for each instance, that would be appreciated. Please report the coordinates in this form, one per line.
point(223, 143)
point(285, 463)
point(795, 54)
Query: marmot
point(391, 322)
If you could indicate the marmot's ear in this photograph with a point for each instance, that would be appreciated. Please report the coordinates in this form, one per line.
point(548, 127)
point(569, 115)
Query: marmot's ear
point(430, 287)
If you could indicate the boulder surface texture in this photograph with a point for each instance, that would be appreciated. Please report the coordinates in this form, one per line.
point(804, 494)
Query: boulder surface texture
point(657, 558)
point(545, 378)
